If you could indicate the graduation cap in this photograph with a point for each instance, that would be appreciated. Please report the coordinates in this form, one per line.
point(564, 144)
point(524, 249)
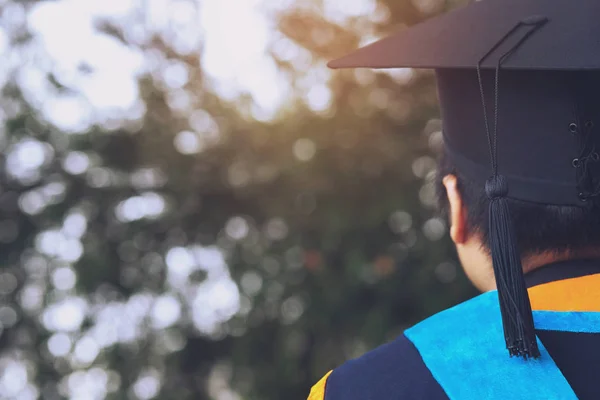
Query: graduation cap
point(519, 90)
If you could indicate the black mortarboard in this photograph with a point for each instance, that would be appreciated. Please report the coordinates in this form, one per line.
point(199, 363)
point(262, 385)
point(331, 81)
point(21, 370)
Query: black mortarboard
point(519, 90)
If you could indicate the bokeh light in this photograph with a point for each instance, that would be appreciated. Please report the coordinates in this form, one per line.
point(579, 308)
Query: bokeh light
point(189, 195)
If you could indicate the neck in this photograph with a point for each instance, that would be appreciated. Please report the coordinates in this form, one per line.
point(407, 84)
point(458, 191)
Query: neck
point(535, 261)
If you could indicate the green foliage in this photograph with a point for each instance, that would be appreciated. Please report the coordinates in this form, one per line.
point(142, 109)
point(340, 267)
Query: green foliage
point(325, 222)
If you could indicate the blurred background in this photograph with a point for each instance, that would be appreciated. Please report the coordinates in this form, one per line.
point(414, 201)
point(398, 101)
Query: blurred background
point(192, 206)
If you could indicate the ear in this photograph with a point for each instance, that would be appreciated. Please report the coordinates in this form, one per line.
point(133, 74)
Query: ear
point(458, 214)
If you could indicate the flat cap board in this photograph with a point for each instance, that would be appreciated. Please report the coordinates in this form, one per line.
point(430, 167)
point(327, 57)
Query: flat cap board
point(570, 40)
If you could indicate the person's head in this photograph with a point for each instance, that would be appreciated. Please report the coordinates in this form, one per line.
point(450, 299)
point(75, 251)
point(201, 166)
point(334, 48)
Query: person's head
point(545, 233)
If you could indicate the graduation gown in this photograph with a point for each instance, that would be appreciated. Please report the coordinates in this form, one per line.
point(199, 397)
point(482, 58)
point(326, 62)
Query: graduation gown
point(459, 353)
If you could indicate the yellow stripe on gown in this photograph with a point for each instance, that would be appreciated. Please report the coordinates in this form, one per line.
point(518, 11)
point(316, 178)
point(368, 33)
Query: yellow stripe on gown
point(318, 391)
point(575, 294)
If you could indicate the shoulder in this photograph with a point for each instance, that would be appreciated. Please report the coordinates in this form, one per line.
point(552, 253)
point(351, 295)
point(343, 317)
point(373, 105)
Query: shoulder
point(394, 369)
point(401, 369)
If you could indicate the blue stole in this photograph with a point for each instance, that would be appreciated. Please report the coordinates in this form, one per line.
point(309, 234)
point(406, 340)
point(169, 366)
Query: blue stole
point(464, 349)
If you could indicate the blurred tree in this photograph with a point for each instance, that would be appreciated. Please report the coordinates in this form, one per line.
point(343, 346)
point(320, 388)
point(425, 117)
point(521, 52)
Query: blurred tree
point(188, 248)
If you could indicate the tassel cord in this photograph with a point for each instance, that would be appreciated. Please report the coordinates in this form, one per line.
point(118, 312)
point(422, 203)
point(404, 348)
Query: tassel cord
point(515, 306)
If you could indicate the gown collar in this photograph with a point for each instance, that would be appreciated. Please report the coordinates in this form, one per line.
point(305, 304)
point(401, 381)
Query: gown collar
point(562, 270)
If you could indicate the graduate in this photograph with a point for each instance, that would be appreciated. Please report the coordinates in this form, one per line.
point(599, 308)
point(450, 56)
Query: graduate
point(519, 183)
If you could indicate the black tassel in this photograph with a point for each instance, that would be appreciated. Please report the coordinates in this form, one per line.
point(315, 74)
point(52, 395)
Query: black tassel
point(515, 307)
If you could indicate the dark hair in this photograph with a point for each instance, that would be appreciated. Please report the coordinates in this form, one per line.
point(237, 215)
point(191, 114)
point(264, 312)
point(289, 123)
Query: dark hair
point(539, 228)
